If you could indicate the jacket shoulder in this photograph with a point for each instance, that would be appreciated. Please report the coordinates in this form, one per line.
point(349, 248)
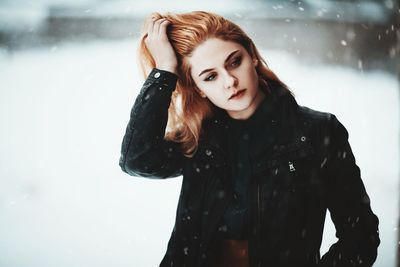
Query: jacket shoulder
point(313, 115)
point(324, 127)
point(320, 124)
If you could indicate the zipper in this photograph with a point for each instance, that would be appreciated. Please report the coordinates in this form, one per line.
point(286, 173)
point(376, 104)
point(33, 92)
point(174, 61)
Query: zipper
point(258, 228)
point(258, 206)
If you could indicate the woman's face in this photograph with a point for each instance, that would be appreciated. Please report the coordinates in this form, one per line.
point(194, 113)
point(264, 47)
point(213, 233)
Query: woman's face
point(221, 69)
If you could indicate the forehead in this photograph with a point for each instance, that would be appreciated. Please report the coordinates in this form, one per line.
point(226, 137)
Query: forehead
point(212, 53)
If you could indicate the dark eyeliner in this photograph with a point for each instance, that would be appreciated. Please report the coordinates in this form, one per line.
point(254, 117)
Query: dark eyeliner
point(236, 61)
point(207, 78)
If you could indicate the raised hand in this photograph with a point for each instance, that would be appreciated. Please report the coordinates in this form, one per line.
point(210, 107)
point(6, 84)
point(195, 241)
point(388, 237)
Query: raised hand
point(158, 44)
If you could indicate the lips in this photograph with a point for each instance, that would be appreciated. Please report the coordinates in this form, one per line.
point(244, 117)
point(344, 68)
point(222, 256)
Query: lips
point(237, 93)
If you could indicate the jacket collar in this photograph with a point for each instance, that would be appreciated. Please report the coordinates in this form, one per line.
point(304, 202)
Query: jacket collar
point(279, 108)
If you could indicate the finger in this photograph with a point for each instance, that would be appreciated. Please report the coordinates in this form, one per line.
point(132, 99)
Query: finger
point(149, 27)
point(163, 27)
point(156, 27)
point(153, 16)
point(150, 23)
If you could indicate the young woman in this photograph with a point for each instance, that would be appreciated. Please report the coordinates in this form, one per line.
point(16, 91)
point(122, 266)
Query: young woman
point(259, 171)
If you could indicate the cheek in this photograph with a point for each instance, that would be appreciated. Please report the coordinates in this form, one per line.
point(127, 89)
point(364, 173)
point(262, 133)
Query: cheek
point(216, 95)
point(212, 90)
point(252, 78)
point(249, 74)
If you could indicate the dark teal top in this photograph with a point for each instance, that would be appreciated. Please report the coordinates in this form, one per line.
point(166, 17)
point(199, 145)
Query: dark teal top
point(245, 138)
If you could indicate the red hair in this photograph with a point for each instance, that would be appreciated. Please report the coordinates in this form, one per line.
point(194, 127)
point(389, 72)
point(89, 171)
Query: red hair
point(188, 109)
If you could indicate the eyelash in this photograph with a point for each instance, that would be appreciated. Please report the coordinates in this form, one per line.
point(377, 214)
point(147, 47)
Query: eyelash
point(235, 61)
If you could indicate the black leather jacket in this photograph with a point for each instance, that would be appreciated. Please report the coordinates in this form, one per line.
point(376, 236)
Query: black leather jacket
point(306, 168)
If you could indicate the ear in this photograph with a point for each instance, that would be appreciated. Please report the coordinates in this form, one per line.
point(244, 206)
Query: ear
point(203, 95)
point(200, 92)
point(255, 62)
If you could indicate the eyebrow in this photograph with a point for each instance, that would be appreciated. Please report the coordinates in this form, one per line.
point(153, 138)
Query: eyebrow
point(226, 60)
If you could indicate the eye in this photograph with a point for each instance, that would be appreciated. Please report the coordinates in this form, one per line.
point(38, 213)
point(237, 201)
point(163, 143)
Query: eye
point(236, 61)
point(208, 78)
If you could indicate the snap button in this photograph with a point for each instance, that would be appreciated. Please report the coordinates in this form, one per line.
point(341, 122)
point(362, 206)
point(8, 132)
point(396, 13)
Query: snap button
point(303, 138)
point(291, 166)
point(157, 75)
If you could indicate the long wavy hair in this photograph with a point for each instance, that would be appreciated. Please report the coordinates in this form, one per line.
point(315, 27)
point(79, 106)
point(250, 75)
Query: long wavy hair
point(188, 109)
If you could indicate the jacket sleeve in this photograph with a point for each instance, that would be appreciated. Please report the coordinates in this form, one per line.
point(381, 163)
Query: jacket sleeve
point(349, 205)
point(144, 151)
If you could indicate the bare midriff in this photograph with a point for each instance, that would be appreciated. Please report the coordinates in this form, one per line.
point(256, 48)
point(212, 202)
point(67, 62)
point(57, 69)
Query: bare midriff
point(232, 253)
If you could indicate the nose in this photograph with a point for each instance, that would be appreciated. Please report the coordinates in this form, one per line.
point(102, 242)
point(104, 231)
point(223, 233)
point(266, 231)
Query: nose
point(230, 80)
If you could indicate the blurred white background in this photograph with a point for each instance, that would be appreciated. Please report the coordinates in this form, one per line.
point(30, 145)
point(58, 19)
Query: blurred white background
point(65, 102)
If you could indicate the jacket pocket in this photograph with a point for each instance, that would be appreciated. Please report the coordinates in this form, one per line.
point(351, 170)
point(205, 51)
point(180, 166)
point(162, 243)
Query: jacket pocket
point(284, 157)
point(288, 176)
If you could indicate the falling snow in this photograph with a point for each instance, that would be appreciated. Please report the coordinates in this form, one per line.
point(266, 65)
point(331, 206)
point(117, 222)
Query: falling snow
point(75, 126)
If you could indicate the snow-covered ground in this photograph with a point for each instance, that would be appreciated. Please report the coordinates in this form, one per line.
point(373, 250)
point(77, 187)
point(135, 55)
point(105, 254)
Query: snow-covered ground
point(64, 200)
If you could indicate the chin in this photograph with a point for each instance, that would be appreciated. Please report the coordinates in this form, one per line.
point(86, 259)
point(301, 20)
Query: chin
point(240, 105)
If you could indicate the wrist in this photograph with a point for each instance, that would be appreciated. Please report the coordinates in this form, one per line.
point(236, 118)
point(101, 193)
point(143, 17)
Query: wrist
point(168, 68)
